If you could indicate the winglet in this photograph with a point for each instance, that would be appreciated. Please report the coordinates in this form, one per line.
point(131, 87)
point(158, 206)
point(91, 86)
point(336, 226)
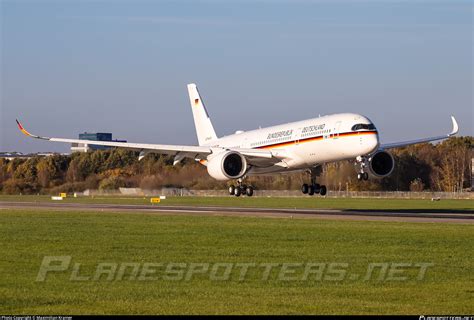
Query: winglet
point(26, 133)
point(455, 127)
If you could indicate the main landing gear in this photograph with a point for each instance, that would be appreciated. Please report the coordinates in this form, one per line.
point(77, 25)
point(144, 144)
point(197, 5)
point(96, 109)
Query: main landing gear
point(240, 189)
point(314, 188)
point(363, 163)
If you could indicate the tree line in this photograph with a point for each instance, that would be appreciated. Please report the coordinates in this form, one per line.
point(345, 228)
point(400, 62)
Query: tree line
point(442, 167)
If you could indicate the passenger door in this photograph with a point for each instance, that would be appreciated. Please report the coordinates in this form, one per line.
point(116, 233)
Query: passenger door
point(337, 127)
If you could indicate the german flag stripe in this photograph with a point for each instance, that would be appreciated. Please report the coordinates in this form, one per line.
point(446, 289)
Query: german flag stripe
point(23, 130)
point(311, 139)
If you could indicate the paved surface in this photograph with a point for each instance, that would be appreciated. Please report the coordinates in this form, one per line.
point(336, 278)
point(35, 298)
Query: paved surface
point(389, 215)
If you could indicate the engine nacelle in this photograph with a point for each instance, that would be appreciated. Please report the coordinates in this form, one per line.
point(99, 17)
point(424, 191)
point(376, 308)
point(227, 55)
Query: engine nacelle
point(381, 164)
point(227, 165)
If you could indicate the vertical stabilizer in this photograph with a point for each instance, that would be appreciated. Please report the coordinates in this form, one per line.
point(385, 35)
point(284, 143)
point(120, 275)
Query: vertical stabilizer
point(204, 129)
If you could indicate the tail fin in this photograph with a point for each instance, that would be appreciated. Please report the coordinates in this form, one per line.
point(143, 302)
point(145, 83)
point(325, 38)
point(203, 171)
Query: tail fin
point(204, 129)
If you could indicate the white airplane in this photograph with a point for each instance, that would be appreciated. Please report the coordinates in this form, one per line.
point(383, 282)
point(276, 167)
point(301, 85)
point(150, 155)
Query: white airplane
point(302, 145)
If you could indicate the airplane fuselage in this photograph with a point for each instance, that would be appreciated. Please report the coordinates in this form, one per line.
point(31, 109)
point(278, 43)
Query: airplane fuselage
point(308, 143)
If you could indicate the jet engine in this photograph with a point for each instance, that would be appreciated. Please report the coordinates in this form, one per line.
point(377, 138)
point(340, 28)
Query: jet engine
point(227, 165)
point(381, 164)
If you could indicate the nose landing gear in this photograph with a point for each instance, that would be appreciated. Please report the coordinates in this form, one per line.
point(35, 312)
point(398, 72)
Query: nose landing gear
point(313, 187)
point(362, 162)
point(362, 176)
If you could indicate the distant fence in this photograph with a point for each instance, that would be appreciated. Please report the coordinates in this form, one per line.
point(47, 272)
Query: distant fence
point(350, 194)
point(282, 193)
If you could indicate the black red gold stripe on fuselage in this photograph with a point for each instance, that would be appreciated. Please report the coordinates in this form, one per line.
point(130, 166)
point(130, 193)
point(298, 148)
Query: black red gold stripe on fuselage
point(311, 139)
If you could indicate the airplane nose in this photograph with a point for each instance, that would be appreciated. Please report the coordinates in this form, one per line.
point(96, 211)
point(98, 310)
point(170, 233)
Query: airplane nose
point(370, 143)
point(373, 142)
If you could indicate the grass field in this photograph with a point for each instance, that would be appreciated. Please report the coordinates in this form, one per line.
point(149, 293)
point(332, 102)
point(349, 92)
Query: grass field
point(90, 238)
point(273, 202)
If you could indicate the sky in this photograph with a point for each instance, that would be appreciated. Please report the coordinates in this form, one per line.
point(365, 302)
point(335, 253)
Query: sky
point(123, 66)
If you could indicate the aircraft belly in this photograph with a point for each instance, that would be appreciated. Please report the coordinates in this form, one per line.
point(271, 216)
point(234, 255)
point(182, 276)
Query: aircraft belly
point(261, 170)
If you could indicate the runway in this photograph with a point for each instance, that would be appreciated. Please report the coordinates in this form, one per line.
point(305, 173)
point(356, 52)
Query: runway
point(366, 215)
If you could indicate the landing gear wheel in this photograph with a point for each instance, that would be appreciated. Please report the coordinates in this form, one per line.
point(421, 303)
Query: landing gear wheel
point(323, 190)
point(304, 188)
point(249, 191)
point(317, 188)
point(237, 192)
point(313, 187)
point(359, 176)
point(231, 190)
point(365, 176)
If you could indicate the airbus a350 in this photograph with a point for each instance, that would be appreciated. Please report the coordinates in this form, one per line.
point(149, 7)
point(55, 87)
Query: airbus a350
point(302, 145)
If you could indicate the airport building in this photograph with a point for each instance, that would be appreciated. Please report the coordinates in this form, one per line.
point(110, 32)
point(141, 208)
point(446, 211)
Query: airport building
point(19, 155)
point(98, 136)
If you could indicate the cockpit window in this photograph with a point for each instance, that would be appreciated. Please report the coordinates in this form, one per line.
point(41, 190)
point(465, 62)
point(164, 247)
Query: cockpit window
point(363, 126)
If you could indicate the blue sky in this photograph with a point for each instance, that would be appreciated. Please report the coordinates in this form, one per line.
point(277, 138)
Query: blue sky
point(123, 66)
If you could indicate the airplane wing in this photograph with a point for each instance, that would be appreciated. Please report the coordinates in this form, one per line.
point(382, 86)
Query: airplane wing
point(180, 152)
point(187, 151)
point(410, 142)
